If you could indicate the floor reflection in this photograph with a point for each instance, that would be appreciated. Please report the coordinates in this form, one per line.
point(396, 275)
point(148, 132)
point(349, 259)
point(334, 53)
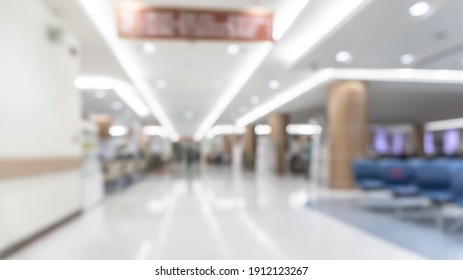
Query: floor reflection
point(211, 213)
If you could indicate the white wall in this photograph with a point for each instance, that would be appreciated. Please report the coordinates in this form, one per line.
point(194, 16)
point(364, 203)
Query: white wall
point(39, 117)
point(39, 107)
point(30, 205)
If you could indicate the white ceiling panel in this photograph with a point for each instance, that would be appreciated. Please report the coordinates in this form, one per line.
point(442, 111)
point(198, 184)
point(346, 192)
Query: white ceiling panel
point(196, 75)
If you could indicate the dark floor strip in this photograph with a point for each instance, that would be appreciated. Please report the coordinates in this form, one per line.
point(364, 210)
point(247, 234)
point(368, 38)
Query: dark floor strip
point(415, 231)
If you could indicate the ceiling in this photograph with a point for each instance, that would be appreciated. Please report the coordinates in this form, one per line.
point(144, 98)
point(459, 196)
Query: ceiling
point(183, 81)
point(419, 103)
point(108, 102)
point(377, 36)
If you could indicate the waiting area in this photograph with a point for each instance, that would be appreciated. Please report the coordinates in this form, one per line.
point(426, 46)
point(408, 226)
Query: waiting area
point(238, 129)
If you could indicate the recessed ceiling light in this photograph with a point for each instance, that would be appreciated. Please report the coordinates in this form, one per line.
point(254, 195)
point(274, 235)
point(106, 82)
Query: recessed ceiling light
point(161, 84)
point(255, 100)
point(242, 109)
point(419, 9)
point(117, 105)
point(274, 84)
point(344, 57)
point(407, 59)
point(100, 94)
point(233, 49)
point(188, 115)
point(149, 47)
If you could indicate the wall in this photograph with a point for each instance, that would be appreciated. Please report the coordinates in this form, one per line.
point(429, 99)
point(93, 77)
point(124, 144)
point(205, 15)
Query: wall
point(39, 119)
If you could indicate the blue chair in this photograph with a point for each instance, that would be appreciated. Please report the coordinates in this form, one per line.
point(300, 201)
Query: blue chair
point(414, 164)
point(456, 163)
point(433, 181)
point(457, 186)
point(457, 183)
point(397, 176)
point(442, 161)
point(366, 174)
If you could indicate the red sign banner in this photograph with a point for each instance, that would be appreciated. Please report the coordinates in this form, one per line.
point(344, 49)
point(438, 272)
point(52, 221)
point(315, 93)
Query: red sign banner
point(146, 22)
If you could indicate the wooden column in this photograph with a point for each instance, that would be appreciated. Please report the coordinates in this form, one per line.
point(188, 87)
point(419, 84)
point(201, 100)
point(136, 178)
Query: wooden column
point(103, 122)
point(418, 139)
point(249, 147)
point(348, 130)
point(227, 145)
point(278, 122)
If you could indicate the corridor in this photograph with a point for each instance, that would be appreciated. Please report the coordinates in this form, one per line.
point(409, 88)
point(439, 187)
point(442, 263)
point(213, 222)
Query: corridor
point(212, 213)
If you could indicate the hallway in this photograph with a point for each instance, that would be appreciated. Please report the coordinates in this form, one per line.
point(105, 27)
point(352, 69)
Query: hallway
point(212, 214)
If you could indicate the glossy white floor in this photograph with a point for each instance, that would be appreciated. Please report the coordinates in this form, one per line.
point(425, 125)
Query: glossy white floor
point(215, 214)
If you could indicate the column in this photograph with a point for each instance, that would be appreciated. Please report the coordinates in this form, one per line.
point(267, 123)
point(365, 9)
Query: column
point(278, 123)
point(418, 139)
point(226, 146)
point(249, 147)
point(347, 130)
point(103, 122)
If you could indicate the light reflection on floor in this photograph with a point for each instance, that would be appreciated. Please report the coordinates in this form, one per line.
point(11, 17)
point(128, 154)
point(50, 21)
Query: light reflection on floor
point(214, 214)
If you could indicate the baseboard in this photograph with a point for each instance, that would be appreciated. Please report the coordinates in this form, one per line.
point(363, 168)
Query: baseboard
point(28, 241)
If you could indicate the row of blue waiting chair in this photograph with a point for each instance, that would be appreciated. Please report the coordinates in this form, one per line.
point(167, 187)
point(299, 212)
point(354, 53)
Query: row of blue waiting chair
point(440, 180)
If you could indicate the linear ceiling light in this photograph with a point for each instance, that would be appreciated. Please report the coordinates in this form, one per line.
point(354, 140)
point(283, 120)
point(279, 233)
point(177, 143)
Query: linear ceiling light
point(224, 130)
point(245, 74)
point(118, 130)
point(122, 89)
point(263, 129)
point(303, 129)
point(325, 76)
point(318, 79)
point(153, 130)
point(332, 15)
point(432, 76)
point(285, 21)
point(444, 125)
point(100, 16)
point(287, 14)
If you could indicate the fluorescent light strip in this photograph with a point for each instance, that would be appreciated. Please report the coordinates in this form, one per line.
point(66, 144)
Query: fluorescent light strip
point(303, 129)
point(156, 108)
point(444, 125)
point(233, 90)
point(118, 130)
point(248, 70)
point(263, 129)
point(402, 75)
point(155, 131)
point(224, 130)
point(127, 63)
point(327, 20)
point(325, 76)
point(122, 89)
point(319, 78)
point(287, 14)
